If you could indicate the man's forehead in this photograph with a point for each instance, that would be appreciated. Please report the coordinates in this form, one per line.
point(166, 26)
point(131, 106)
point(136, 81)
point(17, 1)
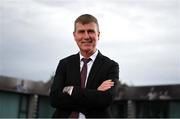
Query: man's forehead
point(87, 25)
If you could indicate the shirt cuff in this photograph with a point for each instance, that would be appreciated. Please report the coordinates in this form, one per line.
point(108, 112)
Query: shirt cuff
point(68, 89)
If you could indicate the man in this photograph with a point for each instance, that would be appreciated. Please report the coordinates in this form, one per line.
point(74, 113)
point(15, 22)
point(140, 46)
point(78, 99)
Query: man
point(84, 89)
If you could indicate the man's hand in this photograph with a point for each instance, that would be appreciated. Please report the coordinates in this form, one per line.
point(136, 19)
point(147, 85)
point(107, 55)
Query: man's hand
point(106, 85)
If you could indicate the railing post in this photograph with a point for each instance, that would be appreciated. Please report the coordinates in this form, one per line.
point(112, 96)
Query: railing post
point(33, 105)
point(131, 109)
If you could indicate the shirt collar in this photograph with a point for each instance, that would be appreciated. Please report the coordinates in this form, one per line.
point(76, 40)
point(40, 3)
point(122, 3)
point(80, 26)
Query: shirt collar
point(93, 57)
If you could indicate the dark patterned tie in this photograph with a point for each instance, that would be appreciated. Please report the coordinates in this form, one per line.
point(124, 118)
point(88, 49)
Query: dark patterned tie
point(84, 72)
point(83, 80)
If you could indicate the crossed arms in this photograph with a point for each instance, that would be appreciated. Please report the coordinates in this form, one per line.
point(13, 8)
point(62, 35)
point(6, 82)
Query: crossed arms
point(83, 98)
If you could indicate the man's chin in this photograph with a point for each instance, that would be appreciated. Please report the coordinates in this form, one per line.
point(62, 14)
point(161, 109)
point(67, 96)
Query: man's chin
point(87, 50)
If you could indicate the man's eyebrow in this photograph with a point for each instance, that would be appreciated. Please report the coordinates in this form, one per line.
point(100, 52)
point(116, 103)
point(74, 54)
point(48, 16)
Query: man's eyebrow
point(80, 30)
point(91, 30)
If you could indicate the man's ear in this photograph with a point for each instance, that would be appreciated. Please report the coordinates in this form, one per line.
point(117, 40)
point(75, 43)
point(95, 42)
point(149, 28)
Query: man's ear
point(74, 34)
point(98, 35)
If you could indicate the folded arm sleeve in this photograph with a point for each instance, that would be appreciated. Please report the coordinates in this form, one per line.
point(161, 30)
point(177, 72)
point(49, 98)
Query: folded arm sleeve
point(59, 99)
point(92, 98)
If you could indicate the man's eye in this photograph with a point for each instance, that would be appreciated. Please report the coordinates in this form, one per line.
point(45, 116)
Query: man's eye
point(81, 31)
point(91, 31)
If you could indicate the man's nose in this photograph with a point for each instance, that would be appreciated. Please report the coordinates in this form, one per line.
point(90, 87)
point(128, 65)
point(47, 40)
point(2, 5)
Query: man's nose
point(86, 35)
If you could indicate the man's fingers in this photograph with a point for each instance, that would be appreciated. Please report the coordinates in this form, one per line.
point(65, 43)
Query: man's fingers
point(108, 82)
point(106, 85)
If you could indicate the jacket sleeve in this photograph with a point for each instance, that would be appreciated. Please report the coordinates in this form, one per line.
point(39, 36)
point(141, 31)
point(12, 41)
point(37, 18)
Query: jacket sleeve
point(59, 99)
point(92, 98)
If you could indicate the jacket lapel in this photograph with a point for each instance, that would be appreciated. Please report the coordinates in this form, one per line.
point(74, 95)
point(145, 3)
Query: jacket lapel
point(75, 69)
point(96, 65)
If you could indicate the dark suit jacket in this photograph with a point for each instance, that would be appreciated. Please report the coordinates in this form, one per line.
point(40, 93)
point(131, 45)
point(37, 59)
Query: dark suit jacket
point(89, 101)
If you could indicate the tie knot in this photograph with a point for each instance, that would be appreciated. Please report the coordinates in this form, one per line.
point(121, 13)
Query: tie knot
point(86, 60)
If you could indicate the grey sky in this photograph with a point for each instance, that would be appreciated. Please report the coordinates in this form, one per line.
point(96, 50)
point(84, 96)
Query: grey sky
point(141, 35)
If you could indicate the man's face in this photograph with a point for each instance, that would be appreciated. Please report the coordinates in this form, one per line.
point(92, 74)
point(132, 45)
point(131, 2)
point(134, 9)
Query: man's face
point(86, 37)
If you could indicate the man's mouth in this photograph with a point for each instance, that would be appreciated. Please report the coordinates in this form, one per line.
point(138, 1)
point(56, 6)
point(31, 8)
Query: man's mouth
point(88, 41)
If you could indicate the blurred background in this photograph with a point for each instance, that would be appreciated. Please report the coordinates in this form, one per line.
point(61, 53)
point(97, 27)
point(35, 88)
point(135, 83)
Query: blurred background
point(141, 35)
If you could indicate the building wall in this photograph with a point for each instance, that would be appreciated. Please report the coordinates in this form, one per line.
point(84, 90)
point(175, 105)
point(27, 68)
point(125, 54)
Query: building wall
point(44, 108)
point(10, 105)
point(19, 105)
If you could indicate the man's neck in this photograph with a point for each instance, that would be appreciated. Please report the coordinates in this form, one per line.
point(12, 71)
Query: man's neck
point(87, 54)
